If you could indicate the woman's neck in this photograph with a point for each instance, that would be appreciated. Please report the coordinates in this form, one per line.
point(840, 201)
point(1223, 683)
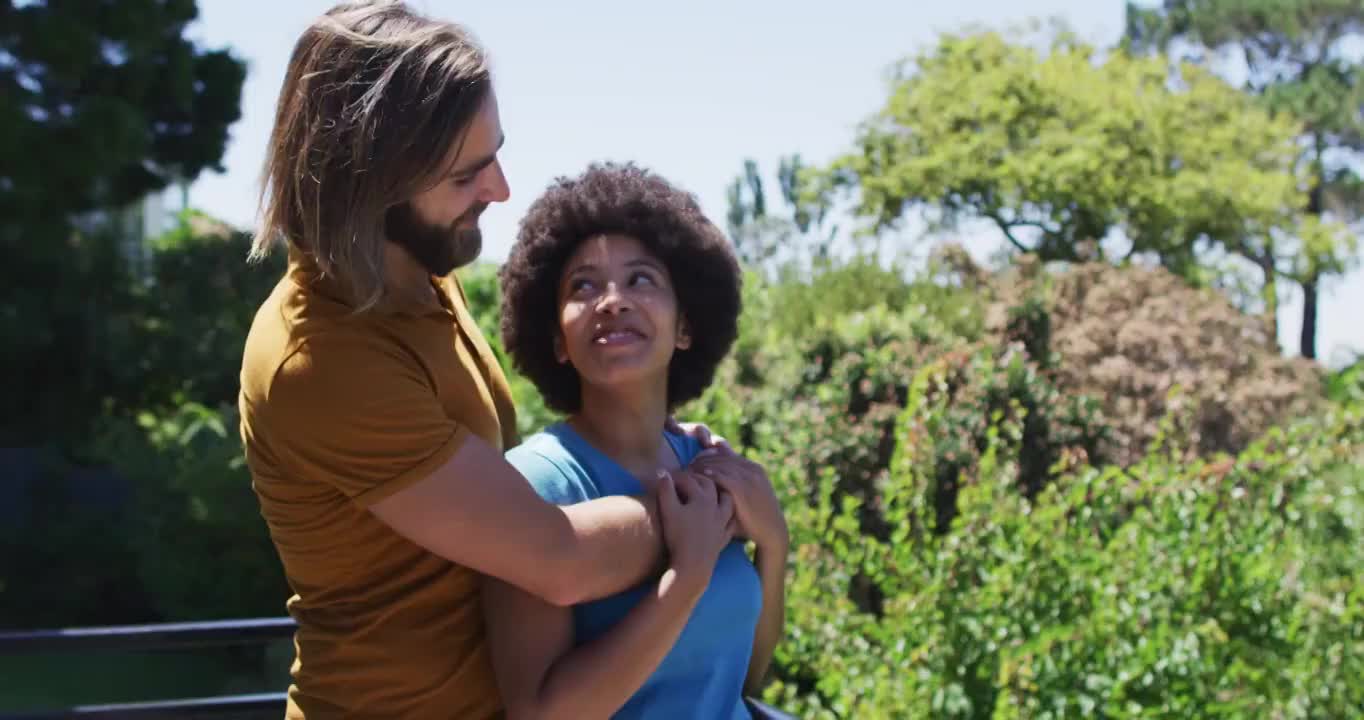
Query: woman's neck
point(626, 424)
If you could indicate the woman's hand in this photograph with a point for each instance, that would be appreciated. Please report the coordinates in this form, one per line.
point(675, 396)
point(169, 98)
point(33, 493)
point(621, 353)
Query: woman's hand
point(759, 515)
point(697, 525)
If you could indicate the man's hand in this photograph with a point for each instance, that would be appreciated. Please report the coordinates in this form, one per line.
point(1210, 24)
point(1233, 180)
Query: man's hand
point(755, 502)
point(700, 433)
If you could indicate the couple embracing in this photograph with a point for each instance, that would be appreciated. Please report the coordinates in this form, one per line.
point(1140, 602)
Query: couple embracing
point(441, 567)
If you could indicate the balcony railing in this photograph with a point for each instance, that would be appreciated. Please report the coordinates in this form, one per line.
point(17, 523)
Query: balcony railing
point(179, 636)
point(168, 636)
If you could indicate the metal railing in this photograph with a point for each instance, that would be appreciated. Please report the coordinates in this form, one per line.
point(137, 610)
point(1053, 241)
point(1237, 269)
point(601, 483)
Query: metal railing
point(166, 636)
point(179, 636)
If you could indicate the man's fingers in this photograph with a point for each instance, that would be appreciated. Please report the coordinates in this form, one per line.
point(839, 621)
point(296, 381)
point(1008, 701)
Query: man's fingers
point(725, 481)
point(732, 463)
point(667, 493)
point(709, 441)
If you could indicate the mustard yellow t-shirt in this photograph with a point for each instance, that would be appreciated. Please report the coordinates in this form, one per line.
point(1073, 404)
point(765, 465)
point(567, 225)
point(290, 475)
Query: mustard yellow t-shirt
point(337, 412)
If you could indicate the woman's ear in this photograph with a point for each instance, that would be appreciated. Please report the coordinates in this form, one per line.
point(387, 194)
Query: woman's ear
point(683, 333)
point(560, 353)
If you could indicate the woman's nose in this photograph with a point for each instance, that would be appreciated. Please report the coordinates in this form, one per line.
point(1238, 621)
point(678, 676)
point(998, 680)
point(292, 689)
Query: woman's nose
point(612, 301)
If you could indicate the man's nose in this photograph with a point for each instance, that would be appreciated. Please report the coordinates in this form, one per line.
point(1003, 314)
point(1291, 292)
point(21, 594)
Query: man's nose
point(495, 188)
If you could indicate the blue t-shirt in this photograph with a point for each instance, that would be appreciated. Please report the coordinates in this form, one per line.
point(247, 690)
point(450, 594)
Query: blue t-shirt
point(703, 675)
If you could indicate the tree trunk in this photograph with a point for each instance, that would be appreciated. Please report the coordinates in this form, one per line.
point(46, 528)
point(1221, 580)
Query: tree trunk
point(1307, 342)
point(1270, 294)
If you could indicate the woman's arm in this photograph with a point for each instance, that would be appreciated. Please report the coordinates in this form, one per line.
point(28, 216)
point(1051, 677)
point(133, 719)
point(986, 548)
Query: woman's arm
point(760, 517)
point(541, 675)
point(539, 672)
point(771, 564)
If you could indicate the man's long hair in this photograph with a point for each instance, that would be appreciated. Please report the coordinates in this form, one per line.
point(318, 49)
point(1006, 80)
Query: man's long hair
point(374, 99)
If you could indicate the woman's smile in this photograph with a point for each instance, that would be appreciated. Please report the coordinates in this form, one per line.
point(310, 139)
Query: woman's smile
point(617, 336)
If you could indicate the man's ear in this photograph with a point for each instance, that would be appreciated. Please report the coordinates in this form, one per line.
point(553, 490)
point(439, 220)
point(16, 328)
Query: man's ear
point(560, 353)
point(683, 333)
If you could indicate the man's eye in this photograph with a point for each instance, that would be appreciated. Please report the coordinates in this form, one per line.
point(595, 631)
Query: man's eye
point(461, 181)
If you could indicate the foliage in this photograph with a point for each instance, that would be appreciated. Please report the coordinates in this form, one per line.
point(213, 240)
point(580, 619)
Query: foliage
point(1075, 155)
point(1148, 346)
point(67, 330)
point(1347, 385)
point(1217, 588)
point(1300, 58)
point(120, 102)
point(184, 326)
point(104, 102)
point(779, 240)
point(483, 291)
point(192, 501)
point(149, 481)
point(962, 545)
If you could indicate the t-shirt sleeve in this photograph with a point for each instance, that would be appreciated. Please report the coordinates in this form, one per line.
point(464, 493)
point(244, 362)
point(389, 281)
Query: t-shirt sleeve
point(557, 480)
point(359, 415)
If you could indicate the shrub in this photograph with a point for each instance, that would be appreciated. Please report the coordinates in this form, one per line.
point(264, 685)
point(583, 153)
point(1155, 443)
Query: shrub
point(1130, 337)
point(1347, 385)
point(193, 524)
point(963, 544)
point(193, 313)
point(1214, 588)
point(850, 375)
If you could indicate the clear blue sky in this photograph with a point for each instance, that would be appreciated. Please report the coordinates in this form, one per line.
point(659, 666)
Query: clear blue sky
point(687, 89)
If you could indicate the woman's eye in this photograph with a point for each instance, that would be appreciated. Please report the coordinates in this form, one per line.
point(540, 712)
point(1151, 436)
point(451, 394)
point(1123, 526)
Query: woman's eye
point(579, 284)
point(640, 277)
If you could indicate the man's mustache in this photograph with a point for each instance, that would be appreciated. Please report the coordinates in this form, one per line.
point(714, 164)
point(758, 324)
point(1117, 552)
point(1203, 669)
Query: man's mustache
point(472, 213)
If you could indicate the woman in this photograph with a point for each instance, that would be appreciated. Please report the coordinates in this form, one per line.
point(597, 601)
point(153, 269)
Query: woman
point(620, 299)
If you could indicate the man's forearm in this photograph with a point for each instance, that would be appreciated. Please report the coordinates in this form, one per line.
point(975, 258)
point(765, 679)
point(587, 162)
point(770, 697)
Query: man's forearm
point(617, 544)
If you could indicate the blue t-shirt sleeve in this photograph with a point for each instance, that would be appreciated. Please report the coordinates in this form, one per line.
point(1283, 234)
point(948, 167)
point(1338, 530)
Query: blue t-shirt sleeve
point(557, 480)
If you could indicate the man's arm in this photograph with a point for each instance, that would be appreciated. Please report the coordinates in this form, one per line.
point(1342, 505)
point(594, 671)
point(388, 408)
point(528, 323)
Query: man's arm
point(476, 510)
point(540, 672)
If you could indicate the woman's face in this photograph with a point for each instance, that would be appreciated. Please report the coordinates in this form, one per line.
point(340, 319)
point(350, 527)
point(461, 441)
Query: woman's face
point(618, 317)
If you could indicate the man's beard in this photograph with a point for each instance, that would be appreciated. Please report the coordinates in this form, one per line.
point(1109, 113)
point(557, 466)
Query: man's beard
point(438, 249)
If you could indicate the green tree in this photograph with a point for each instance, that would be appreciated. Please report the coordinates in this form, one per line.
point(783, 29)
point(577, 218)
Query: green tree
point(1297, 57)
point(1072, 154)
point(103, 102)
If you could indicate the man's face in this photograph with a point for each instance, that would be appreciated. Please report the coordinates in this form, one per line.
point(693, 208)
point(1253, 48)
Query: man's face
point(439, 226)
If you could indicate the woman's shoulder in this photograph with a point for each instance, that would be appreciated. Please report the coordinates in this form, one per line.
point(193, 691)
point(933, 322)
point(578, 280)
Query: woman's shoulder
point(552, 469)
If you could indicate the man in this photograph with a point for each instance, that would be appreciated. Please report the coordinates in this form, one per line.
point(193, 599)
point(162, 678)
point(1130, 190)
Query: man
point(374, 415)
